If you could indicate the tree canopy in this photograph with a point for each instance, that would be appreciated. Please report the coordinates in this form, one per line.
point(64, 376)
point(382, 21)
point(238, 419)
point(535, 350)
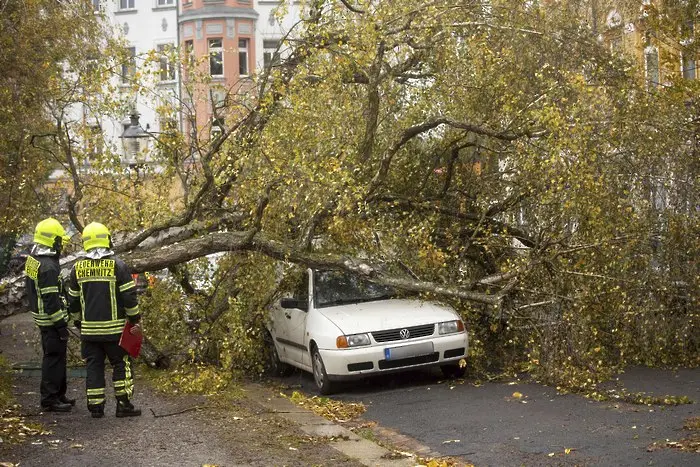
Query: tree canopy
point(496, 155)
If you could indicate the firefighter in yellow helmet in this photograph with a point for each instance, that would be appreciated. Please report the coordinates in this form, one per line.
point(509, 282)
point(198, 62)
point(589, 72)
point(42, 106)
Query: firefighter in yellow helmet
point(44, 289)
point(102, 296)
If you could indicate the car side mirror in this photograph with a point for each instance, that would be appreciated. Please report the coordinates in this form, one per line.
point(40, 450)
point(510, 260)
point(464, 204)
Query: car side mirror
point(294, 303)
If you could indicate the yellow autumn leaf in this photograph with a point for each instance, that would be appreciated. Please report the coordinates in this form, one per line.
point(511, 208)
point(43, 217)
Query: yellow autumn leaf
point(517, 395)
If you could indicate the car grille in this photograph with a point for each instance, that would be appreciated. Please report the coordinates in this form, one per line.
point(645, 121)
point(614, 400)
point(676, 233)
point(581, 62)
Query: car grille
point(395, 334)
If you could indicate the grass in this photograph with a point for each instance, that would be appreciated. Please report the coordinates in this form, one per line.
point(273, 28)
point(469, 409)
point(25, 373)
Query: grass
point(368, 434)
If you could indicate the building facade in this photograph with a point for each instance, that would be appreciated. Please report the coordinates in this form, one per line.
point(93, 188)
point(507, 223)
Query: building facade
point(228, 42)
point(661, 36)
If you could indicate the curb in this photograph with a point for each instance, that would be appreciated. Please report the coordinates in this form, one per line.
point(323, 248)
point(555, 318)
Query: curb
point(345, 441)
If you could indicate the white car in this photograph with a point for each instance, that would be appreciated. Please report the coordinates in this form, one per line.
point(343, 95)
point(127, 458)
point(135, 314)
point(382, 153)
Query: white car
point(340, 327)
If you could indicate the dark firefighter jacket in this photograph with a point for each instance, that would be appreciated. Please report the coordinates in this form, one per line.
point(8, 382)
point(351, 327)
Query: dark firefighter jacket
point(102, 295)
point(44, 289)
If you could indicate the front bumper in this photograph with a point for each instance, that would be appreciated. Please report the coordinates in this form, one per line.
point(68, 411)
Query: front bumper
point(347, 364)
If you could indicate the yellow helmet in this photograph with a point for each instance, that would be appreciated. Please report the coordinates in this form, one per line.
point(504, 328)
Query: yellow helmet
point(95, 235)
point(48, 230)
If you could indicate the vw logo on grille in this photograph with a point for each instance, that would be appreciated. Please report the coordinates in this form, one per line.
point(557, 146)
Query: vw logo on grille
point(404, 334)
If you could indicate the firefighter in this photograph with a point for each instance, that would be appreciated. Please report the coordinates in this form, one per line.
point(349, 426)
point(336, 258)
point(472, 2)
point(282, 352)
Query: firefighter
point(102, 296)
point(45, 290)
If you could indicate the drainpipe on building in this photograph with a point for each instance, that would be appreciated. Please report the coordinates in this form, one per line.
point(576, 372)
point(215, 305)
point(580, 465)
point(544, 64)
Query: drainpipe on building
point(179, 66)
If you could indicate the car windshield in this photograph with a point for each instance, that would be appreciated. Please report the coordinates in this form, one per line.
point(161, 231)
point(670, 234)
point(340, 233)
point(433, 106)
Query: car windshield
point(337, 288)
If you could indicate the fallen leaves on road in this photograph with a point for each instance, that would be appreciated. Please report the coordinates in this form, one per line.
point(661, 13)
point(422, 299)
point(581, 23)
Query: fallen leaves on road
point(567, 451)
point(690, 443)
point(14, 429)
point(442, 462)
point(639, 398)
point(337, 411)
point(692, 424)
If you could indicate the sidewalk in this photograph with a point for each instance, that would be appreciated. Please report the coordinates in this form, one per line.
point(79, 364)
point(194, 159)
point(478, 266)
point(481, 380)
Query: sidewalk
point(260, 428)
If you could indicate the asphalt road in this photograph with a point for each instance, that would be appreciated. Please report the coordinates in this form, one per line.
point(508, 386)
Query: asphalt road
point(485, 424)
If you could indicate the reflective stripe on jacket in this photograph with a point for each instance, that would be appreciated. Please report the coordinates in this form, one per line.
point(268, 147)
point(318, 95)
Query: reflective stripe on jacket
point(102, 295)
point(44, 289)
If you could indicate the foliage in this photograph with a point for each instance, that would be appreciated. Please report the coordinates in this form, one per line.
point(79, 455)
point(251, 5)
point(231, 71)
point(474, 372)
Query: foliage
point(39, 41)
point(494, 155)
point(336, 411)
point(639, 398)
point(190, 379)
point(221, 323)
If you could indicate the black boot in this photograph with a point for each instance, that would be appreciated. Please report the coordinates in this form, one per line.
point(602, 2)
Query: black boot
point(97, 411)
point(127, 409)
point(57, 406)
point(65, 400)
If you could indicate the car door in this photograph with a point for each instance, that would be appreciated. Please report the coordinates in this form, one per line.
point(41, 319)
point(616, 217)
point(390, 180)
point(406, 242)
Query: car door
point(290, 322)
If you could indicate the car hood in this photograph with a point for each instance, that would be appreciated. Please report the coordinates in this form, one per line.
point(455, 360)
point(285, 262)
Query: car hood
point(386, 314)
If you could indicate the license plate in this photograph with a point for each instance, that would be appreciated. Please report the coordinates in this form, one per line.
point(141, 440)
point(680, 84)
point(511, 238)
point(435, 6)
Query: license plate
point(413, 350)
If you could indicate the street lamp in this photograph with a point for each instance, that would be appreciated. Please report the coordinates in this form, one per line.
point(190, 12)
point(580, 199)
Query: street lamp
point(134, 140)
point(135, 143)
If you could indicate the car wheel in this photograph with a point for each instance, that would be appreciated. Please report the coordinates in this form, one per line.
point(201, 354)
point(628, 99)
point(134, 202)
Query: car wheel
point(324, 385)
point(275, 366)
point(453, 371)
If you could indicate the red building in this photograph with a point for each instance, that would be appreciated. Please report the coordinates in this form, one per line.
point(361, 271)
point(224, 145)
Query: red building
point(219, 37)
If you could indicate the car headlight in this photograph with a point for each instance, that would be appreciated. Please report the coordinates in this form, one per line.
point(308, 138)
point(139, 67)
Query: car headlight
point(450, 327)
point(353, 340)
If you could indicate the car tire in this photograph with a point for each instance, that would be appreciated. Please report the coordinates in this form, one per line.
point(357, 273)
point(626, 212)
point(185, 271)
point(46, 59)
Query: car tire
point(275, 366)
point(323, 384)
point(453, 370)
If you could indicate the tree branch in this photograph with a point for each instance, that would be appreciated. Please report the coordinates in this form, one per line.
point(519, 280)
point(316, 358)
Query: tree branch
point(352, 8)
point(243, 241)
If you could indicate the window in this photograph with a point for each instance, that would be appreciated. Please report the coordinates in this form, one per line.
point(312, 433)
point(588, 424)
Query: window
point(218, 99)
point(167, 68)
point(217, 127)
point(651, 61)
point(127, 4)
point(336, 287)
point(243, 57)
point(96, 5)
point(689, 66)
point(269, 51)
point(616, 42)
point(94, 140)
point(688, 30)
point(165, 2)
point(301, 287)
point(129, 65)
point(216, 57)
point(189, 55)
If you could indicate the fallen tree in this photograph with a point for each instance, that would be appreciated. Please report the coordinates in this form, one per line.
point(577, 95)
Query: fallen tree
point(438, 147)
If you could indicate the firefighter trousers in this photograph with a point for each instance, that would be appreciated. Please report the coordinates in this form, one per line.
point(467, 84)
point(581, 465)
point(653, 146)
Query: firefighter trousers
point(53, 367)
point(94, 354)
